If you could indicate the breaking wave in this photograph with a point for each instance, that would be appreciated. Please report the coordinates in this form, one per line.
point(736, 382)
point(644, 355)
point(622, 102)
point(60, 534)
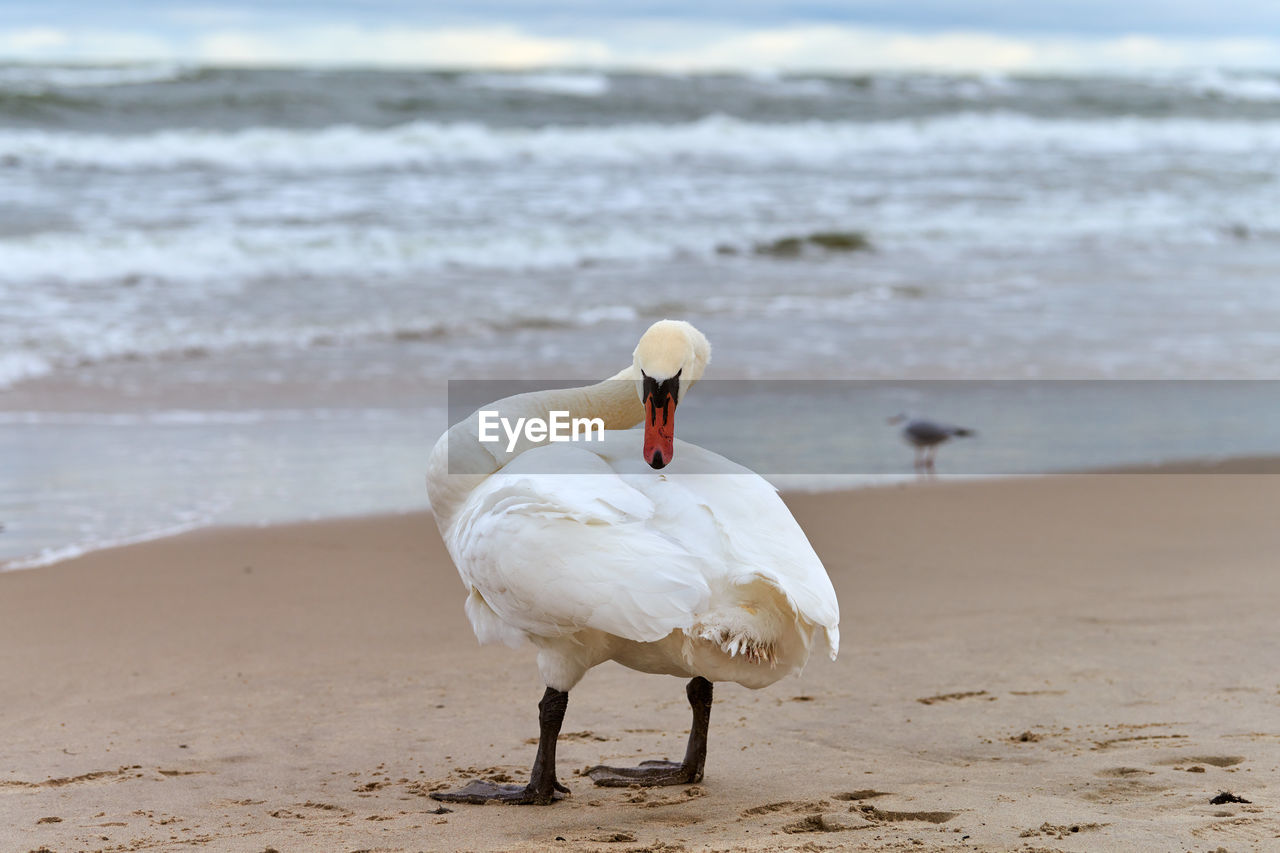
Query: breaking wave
point(36, 79)
point(425, 144)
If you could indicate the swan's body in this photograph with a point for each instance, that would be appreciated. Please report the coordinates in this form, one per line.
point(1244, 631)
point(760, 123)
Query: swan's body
point(583, 549)
point(592, 556)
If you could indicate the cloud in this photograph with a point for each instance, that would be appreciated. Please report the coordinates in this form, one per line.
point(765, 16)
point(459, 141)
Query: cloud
point(836, 48)
point(57, 44)
point(489, 47)
point(32, 40)
point(851, 49)
point(657, 44)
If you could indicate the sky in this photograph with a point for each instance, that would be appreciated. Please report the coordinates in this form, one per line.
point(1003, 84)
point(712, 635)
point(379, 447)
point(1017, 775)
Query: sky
point(822, 35)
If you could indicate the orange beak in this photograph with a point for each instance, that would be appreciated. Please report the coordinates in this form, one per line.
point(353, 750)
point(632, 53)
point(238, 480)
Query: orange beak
point(660, 420)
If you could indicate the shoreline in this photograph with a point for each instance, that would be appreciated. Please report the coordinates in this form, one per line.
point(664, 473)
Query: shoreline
point(1021, 657)
point(1235, 466)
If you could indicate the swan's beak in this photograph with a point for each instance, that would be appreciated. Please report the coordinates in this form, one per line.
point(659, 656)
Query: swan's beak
point(660, 420)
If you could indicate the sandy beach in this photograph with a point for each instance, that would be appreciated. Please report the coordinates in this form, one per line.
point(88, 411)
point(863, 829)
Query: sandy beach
point(1073, 663)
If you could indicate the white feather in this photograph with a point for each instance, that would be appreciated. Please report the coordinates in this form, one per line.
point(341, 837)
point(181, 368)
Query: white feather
point(589, 553)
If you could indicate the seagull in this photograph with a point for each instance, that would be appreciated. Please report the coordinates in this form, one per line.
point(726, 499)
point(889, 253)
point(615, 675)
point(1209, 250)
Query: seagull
point(925, 436)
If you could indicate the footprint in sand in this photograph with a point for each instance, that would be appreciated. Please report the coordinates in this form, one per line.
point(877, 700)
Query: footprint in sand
point(1065, 830)
point(690, 793)
point(287, 814)
point(1124, 772)
point(1121, 790)
point(1211, 760)
point(1257, 832)
point(767, 808)
point(1140, 740)
point(862, 817)
point(612, 837)
point(788, 805)
point(74, 780)
point(951, 697)
point(863, 794)
point(874, 813)
point(827, 822)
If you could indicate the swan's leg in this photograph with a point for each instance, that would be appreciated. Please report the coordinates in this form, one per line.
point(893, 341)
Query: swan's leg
point(669, 772)
point(543, 784)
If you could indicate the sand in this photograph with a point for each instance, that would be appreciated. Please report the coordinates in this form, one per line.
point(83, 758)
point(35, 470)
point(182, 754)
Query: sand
point(1070, 663)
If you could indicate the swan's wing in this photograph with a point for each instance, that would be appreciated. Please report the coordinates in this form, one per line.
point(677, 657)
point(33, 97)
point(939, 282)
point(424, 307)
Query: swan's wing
point(617, 547)
point(552, 553)
point(751, 533)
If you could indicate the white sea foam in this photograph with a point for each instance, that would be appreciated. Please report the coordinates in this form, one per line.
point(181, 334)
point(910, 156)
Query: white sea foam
point(34, 79)
point(196, 417)
point(965, 87)
point(62, 553)
point(18, 366)
point(67, 343)
point(801, 87)
point(580, 85)
point(713, 139)
point(229, 256)
point(1235, 87)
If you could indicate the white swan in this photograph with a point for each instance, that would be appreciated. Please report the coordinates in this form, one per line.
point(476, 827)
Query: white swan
point(699, 571)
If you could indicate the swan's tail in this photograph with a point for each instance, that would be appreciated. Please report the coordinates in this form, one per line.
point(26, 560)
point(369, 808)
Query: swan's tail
point(754, 623)
point(745, 642)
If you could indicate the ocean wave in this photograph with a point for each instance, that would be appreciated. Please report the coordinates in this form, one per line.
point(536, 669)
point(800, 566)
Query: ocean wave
point(61, 553)
point(196, 417)
point(776, 84)
point(713, 139)
point(37, 79)
point(186, 341)
point(223, 256)
point(964, 87)
point(577, 85)
point(1254, 88)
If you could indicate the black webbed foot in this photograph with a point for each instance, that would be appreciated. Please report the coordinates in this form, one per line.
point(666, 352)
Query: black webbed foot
point(648, 774)
point(479, 793)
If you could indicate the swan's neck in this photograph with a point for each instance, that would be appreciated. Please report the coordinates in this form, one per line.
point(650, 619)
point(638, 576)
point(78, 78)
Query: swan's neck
point(460, 461)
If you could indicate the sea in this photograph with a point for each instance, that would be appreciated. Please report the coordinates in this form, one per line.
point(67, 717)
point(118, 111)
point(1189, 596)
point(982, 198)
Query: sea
point(239, 296)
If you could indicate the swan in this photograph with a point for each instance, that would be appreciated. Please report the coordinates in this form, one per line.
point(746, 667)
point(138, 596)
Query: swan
point(632, 547)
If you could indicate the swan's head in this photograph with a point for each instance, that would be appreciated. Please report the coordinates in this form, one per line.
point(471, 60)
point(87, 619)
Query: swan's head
point(670, 357)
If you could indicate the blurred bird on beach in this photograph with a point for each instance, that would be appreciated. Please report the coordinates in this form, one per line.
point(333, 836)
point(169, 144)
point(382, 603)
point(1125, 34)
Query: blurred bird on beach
point(925, 436)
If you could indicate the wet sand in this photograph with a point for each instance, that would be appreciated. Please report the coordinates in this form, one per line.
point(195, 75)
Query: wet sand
point(1071, 663)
